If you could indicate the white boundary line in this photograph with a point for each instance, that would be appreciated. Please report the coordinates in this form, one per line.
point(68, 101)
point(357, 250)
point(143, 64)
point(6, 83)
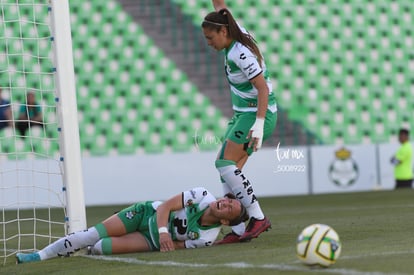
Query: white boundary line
point(239, 265)
point(389, 253)
point(351, 208)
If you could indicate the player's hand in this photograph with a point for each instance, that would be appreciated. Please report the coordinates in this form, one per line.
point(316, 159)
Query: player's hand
point(256, 134)
point(166, 243)
point(394, 161)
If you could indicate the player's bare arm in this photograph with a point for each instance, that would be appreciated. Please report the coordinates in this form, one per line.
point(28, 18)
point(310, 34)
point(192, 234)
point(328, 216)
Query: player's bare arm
point(262, 101)
point(263, 95)
point(219, 4)
point(163, 213)
point(179, 244)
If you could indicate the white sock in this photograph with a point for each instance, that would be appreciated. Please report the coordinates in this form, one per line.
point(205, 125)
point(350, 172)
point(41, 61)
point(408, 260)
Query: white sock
point(240, 186)
point(70, 244)
point(226, 188)
point(97, 248)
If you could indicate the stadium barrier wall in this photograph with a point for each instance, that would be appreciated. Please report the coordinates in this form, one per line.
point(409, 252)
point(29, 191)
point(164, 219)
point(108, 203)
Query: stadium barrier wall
point(279, 171)
point(146, 177)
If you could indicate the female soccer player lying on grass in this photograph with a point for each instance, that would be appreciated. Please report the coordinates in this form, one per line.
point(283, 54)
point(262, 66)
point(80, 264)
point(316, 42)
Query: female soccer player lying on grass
point(191, 219)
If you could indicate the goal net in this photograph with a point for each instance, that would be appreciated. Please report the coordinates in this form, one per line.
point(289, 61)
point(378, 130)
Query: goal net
point(41, 192)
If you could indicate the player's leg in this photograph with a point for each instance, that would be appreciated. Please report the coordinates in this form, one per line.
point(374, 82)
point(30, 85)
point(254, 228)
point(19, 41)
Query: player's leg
point(129, 243)
point(76, 241)
point(126, 231)
point(126, 221)
point(240, 164)
point(257, 225)
point(64, 246)
point(236, 179)
point(232, 158)
point(241, 187)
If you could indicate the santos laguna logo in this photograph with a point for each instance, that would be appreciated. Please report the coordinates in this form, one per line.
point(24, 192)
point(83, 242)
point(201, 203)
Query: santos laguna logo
point(343, 171)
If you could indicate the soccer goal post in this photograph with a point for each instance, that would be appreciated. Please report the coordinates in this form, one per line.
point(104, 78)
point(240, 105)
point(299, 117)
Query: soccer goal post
point(41, 183)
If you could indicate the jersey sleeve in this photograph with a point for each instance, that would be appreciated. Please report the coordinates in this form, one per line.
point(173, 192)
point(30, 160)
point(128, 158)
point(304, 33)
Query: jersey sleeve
point(248, 61)
point(195, 196)
point(206, 239)
point(248, 64)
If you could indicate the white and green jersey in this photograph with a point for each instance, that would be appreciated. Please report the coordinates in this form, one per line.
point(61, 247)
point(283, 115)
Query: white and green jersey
point(241, 66)
point(184, 224)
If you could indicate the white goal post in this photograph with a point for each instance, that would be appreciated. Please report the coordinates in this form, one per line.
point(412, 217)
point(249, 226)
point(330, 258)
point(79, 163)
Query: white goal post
point(67, 107)
point(41, 183)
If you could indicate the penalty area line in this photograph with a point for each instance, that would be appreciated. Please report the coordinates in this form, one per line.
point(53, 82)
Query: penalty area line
point(238, 265)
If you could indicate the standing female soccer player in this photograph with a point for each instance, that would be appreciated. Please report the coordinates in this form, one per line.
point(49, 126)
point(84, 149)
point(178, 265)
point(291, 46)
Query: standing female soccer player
point(191, 219)
point(254, 117)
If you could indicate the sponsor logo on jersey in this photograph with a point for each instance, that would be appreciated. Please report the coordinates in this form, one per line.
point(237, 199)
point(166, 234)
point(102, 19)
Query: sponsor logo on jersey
point(252, 71)
point(193, 235)
point(248, 66)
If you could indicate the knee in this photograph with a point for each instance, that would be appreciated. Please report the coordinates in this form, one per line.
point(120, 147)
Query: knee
point(219, 163)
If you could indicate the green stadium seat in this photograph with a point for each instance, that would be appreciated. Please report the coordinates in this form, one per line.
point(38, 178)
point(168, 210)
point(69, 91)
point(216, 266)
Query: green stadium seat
point(182, 142)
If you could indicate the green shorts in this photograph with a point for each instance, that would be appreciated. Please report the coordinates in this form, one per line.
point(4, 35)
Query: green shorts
point(239, 126)
point(136, 219)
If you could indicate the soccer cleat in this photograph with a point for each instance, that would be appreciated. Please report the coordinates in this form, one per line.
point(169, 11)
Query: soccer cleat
point(229, 238)
point(27, 258)
point(255, 228)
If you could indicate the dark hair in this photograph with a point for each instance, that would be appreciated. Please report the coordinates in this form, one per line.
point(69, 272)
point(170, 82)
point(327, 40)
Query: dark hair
point(223, 18)
point(404, 131)
point(243, 213)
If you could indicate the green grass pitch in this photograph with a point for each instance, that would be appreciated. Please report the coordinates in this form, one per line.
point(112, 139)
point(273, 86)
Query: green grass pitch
point(376, 231)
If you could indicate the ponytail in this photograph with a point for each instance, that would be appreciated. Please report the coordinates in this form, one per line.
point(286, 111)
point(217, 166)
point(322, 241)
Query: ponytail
point(223, 18)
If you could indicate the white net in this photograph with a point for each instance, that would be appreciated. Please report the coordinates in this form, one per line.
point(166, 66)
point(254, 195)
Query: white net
point(31, 183)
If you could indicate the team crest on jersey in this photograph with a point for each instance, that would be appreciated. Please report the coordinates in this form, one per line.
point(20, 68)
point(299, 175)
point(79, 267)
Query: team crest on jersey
point(130, 215)
point(193, 235)
point(189, 202)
